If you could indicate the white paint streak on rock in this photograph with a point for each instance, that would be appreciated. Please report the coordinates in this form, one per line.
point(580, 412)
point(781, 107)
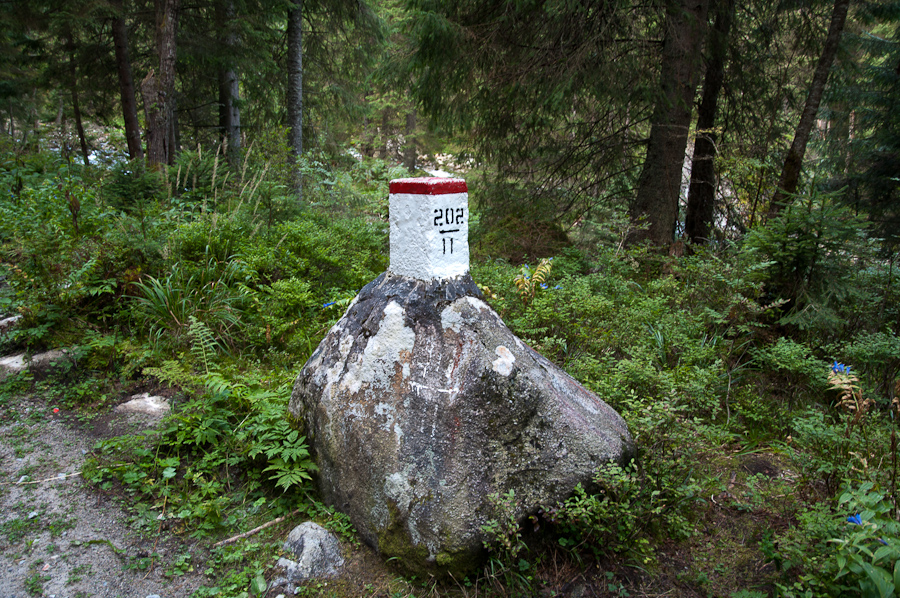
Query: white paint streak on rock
point(332, 374)
point(14, 363)
point(451, 318)
point(392, 344)
point(503, 365)
point(477, 303)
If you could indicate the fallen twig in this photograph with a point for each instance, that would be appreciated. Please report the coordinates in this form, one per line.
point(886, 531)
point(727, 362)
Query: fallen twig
point(61, 476)
point(255, 530)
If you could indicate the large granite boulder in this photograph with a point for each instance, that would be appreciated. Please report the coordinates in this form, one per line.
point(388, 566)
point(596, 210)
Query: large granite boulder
point(420, 403)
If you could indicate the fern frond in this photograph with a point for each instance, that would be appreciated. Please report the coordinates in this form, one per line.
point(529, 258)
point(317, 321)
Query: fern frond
point(203, 344)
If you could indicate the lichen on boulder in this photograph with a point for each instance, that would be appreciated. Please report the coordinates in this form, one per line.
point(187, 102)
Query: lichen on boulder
point(420, 403)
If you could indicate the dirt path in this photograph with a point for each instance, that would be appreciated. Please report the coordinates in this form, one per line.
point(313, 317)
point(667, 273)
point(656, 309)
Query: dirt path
point(61, 538)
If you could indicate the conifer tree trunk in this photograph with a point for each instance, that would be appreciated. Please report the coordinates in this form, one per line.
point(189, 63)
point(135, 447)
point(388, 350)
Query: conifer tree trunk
point(660, 181)
point(409, 149)
point(790, 173)
point(295, 86)
point(702, 192)
point(229, 89)
point(76, 107)
point(158, 89)
point(126, 85)
point(385, 137)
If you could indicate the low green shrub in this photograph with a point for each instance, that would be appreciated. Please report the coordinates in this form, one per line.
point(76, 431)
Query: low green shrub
point(216, 455)
point(211, 295)
point(625, 513)
point(791, 369)
point(131, 186)
point(852, 549)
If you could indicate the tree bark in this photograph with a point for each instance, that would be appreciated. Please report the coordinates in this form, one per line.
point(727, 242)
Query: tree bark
point(126, 85)
point(229, 89)
point(790, 173)
point(295, 86)
point(368, 146)
point(76, 107)
point(384, 148)
point(702, 192)
point(409, 149)
point(660, 181)
point(158, 89)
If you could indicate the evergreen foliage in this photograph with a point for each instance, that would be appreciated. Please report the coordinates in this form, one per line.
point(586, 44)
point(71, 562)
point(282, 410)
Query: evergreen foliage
point(758, 371)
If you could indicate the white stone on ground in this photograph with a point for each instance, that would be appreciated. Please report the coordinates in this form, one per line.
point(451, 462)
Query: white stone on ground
point(40, 363)
point(317, 552)
point(146, 404)
point(7, 323)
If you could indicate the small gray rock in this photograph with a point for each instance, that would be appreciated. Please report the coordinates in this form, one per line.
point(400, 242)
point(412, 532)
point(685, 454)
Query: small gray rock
point(42, 363)
point(12, 364)
point(316, 550)
point(7, 323)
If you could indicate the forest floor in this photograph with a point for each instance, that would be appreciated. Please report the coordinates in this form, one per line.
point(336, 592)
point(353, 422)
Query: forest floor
point(61, 537)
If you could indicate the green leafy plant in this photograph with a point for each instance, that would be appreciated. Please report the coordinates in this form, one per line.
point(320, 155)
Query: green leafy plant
point(622, 515)
point(230, 426)
point(504, 540)
point(528, 282)
point(870, 552)
point(854, 552)
point(209, 295)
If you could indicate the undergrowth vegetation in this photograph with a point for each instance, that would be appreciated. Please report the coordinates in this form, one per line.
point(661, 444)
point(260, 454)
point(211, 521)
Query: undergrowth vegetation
point(758, 377)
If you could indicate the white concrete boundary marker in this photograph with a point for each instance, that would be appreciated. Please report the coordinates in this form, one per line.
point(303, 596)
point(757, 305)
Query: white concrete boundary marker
point(429, 227)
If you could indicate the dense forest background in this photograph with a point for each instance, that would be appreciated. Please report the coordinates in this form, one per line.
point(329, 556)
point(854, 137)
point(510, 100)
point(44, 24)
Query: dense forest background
point(192, 190)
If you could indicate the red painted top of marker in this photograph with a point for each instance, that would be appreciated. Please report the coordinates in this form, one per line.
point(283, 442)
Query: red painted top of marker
point(428, 186)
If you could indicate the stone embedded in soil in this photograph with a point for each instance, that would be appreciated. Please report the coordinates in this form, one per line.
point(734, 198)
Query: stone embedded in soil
point(7, 323)
point(39, 364)
point(420, 404)
point(316, 552)
point(12, 364)
point(146, 404)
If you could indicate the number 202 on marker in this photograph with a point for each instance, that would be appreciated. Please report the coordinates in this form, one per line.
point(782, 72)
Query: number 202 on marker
point(448, 217)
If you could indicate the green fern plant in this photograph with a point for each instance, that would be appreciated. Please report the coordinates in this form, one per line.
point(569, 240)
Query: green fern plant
point(203, 344)
point(267, 432)
point(528, 282)
point(172, 372)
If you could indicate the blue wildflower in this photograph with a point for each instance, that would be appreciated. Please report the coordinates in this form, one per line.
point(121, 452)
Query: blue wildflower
point(855, 519)
point(839, 368)
point(557, 287)
point(543, 285)
point(329, 304)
